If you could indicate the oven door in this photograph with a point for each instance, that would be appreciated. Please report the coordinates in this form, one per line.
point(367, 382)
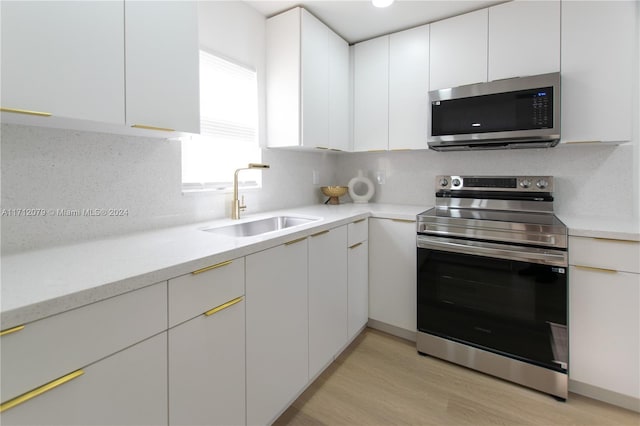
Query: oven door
point(510, 300)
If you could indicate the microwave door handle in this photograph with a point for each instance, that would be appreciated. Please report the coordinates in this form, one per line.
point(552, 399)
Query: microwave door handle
point(508, 252)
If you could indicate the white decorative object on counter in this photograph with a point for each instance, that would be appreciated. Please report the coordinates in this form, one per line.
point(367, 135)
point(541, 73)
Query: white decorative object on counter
point(355, 186)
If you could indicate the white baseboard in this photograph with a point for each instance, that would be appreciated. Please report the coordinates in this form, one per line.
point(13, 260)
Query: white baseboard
point(392, 329)
point(605, 395)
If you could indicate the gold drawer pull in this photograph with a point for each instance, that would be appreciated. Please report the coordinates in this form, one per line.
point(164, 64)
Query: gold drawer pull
point(223, 306)
point(11, 330)
point(26, 112)
point(216, 266)
point(162, 129)
point(359, 220)
point(317, 234)
point(376, 150)
point(295, 241)
point(590, 268)
point(39, 391)
point(321, 147)
point(355, 245)
point(613, 240)
point(404, 220)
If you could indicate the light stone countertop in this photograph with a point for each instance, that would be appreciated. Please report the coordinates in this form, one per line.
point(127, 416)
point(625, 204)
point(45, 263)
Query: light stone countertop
point(41, 283)
point(603, 227)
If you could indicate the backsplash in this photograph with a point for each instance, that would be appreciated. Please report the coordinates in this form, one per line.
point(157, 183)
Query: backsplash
point(64, 169)
point(589, 179)
point(69, 170)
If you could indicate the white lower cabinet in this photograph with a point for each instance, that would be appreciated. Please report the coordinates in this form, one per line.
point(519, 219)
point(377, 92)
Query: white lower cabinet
point(207, 369)
point(127, 388)
point(358, 287)
point(604, 318)
point(277, 329)
point(392, 272)
point(327, 297)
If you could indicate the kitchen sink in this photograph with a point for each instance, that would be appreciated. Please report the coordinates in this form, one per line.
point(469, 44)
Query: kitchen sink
point(260, 226)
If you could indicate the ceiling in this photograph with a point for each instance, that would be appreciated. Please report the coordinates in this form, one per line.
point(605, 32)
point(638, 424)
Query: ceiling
point(358, 20)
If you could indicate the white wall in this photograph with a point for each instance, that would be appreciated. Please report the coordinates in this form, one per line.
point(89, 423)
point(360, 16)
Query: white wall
point(64, 169)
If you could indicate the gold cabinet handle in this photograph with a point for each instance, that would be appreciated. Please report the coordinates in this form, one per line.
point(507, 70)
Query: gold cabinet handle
point(404, 220)
point(590, 268)
point(376, 150)
point(208, 268)
point(359, 220)
point(355, 245)
point(39, 391)
point(223, 306)
point(321, 147)
point(144, 126)
point(613, 240)
point(317, 234)
point(11, 330)
point(26, 112)
point(288, 243)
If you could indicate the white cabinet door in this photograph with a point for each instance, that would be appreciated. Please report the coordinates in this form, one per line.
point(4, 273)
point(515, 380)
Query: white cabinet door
point(597, 70)
point(307, 83)
point(458, 51)
point(358, 294)
point(315, 81)
point(64, 58)
point(524, 39)
point(392, 272)
point(127, 388)
point(162, 76)
point(604, 329)
point(408, 88)
point(371, 95)
point(277, 329)
point(327, 297)
point(207, 369)
point(338, 92)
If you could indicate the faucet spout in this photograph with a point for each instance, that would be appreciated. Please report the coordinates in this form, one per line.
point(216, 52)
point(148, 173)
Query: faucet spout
point(236, 205)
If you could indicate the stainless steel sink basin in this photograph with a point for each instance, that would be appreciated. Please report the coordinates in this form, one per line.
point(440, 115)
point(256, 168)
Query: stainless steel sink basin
point(260, 226)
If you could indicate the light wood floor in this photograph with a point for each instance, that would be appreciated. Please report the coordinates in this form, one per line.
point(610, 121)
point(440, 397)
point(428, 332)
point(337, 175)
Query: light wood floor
point(381, 380)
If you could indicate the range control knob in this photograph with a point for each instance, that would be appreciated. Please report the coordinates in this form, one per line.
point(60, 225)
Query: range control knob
point(455, 182)
point(525, 183)
point(444, 182)
point(542, 184)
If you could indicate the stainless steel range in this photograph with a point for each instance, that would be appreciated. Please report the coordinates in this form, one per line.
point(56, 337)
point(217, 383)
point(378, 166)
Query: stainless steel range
point(492, 279)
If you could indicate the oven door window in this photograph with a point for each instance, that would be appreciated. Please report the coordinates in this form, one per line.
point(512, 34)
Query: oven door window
point(514, 308)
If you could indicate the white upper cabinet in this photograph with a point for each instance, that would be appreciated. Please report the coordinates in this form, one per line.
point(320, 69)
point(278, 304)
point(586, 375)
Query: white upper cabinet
point(524, 39)
point(598, 70)
point(408, 88)
point(338, 93)
point(459, 50)
point(315, 81)
point(64, 59)
point(371, 95)
point(307, 83)
point(162, 65)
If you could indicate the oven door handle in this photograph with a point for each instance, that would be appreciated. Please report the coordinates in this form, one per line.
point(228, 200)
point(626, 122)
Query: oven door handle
point(500, 251)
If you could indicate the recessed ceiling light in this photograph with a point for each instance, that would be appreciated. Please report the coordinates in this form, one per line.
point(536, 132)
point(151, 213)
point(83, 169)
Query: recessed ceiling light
point(382, 3)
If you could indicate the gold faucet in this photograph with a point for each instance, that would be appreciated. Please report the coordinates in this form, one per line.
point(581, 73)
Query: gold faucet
point(237, 206)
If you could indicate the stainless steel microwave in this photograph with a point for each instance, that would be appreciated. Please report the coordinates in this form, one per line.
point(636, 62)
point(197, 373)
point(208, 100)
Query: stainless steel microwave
point(522, 112)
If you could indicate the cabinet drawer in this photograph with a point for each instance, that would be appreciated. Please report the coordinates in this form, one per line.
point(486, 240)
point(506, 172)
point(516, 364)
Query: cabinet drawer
point(357, 231)
point(52, 347)
point(195, 293)
point(618, 255)
point(126, 388)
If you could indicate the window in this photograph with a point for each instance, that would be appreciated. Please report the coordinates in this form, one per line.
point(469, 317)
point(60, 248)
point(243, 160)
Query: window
point(228, 137)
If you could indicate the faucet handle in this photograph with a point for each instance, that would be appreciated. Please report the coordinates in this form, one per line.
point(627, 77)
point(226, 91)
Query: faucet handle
point(242, 205)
